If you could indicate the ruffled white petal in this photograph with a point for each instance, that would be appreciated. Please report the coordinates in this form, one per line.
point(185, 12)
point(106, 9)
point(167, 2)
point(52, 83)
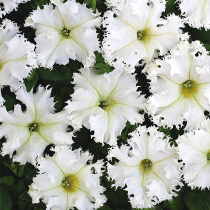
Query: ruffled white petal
point(123, 103)
point(52, 46)
point(15, 65)
point(47, 185)
point(194, 150)
point(145, 188)
point(122, 47)
point(51, 127)
point(196, 12)
point(168, 104)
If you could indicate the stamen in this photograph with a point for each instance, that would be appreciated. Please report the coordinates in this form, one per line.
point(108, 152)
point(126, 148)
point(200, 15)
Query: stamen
point(140, 35)
point(188, 84)
point(145, 165)
point(66, 32)
point(103, 104)
point(208, 156)
point(189, 87)
point(69, 183)
point(33, 127)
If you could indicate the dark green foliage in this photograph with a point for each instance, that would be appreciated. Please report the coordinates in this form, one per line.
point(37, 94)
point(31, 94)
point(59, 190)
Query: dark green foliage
point(203, 201)
point(101, 65)
point(91, 4)
point(5, 199)
point(31, 81)
point(7, 181)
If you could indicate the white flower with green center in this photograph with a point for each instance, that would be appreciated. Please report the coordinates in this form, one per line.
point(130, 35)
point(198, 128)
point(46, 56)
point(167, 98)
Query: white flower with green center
point(147, 167)
point(67, 181)
point(15, 65)
point(6, 6)
point(29, 132)
point(196, 12)
point(180, 84)
point(135, 31)
point(194, 150)
point(65, 31)
point(103, 103)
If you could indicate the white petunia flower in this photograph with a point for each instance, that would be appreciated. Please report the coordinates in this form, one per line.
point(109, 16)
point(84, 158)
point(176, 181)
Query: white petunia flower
point(17, 56)
point(197, 12)
point(180, 84)
point(148, 167)
point(29, 132)
point(137, 32)
point(6, 6)
point(66, 31)
point(103, 103)
point(194, 150)
point(67, 181)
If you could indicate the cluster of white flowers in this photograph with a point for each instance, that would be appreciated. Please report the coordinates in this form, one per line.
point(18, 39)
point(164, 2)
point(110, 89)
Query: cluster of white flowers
point(135, 34)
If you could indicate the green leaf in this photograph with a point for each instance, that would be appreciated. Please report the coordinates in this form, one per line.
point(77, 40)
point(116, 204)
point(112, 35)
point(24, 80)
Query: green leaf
point(203, 202)
point(87, 2)
point(31, 81)
point(65, 91)
point(16, 190)
point(118, 198)
point(99, 58)
point(207, 46)
point(20, 171)
point(17, 169)
point(170, 6)
point(7, 181)
point(5, 199)
point(9, 102)
point(25, 197)
point(91, 4)
point(50, 74)
point(39, 3)
point(22, 205)
point(29, 173)
point(101, 65)
point(58, 102)
point(65, 71)
point(177, 203)
point(190, 198)
point(199, 34)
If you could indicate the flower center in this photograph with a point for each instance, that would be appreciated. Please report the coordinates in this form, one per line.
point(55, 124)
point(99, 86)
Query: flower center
point(189, 87)
point(145, 164)
point(66, 32)
point(208, 156)
point(188, 84)
point(140, 35)
point(69, 183)
point(103, 104)
point(33, 127)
